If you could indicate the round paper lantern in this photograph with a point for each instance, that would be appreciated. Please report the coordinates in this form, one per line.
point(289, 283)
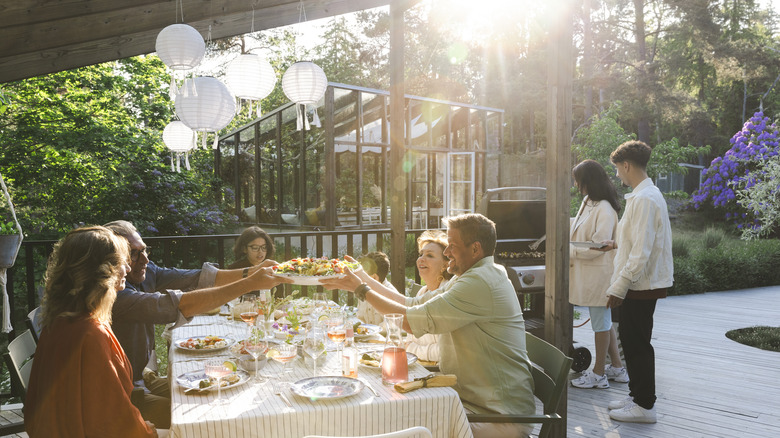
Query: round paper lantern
point(180, 46)
point(209, 109)
point(250, 76)
point(304, 83)
point(180, 140)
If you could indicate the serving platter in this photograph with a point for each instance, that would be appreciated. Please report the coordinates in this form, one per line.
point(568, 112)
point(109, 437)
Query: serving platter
point(203, 343)
point(192, 379)
point(308, 280)
point(327, 387)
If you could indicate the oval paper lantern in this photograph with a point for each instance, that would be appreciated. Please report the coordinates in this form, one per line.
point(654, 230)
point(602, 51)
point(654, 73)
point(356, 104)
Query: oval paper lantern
point(304, 82)
point(180, 46)
point(250, 76)
point(178, 137)
point(208, 110)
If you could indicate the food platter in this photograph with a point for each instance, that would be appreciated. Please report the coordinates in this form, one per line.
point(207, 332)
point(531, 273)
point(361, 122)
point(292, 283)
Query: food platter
point(308, 280)
point(376, 359)
point(366, 330)
point(203, 343)
point(589, 244)
point(327, 387)
point(192, 379)
point(238, 350)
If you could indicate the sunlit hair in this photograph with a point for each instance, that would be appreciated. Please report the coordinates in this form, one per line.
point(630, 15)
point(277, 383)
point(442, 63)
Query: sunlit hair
point(122, 228)
point(376, 262)
point(437, 237)
point(474, 227)
point(591, 176)
point(250, 234)
point(633, 151)
point(83, 274)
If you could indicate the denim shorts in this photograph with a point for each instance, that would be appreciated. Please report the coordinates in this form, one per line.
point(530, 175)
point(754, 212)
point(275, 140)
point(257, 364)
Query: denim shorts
point(600, 318)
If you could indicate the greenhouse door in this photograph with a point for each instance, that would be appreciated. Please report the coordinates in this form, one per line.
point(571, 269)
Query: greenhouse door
point(460, 183)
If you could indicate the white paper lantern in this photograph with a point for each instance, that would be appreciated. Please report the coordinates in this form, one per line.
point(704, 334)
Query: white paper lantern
point(180, 140)
point(250, 77)
point(304, 83)
point(180, 46)
point(210, 110)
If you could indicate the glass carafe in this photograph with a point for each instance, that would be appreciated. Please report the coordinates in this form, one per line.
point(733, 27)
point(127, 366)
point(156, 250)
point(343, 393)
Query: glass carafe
point(395, 368)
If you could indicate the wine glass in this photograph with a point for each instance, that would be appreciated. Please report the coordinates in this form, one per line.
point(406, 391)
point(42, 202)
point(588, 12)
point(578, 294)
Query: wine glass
point(216, 369)
point(249, 309)
point(255, 346)
point(266, 306)
point(314, 345)
point(335, 326)
point(283, 353)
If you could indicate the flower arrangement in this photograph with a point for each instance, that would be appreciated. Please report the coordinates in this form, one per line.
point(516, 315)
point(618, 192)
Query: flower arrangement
point(740, 168)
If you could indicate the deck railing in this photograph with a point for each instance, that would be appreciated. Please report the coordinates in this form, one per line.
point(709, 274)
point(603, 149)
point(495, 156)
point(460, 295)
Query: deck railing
point(25, 279)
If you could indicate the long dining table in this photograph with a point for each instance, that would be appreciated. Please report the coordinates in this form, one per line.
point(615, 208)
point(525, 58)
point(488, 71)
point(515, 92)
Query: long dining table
point(253, 409)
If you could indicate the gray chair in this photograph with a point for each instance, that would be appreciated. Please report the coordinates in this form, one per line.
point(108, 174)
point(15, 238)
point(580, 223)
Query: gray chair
point(34, 323)
point(19, 360)
point(550, 372)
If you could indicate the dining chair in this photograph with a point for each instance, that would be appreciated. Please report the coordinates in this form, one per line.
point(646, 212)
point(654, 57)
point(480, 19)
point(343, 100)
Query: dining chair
point(19, 362)
point(550, 373)
point(33, 323)
point(412, 432)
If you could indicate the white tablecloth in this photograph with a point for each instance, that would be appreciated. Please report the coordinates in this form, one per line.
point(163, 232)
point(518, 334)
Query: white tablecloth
point(254, 411)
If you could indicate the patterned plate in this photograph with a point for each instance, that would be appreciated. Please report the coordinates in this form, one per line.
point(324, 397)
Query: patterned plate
point(327, 387)
point(192, 380)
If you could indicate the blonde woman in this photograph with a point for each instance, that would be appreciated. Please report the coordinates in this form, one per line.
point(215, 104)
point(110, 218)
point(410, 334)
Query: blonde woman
point(81, 379)
point(432, 266)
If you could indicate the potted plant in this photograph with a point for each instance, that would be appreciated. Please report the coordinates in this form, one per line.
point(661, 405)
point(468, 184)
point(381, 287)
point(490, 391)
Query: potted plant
point(10, 240)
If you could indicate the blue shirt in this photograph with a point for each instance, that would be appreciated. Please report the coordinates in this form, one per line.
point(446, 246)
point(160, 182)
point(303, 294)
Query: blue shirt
point(155, 301)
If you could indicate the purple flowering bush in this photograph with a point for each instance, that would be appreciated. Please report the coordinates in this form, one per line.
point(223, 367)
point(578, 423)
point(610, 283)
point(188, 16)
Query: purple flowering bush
point(738, 171)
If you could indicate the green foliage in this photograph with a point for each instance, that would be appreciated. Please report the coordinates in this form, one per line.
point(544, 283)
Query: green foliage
point(8, 228)
point(681, 247)
point(762, 200)
point(763, 337)
point(713, 237)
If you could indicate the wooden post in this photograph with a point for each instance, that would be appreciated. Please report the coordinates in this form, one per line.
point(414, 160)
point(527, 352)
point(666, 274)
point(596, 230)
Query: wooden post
point(558, 312)
point(397, 177)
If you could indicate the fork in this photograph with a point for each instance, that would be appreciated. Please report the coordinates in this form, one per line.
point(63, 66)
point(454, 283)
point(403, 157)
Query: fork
point(278, 391)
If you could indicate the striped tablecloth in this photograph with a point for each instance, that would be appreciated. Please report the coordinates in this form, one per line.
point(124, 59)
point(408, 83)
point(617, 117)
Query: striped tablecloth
point(253, 410)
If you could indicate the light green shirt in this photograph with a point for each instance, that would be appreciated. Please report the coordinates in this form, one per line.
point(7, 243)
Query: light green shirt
point(482, 339)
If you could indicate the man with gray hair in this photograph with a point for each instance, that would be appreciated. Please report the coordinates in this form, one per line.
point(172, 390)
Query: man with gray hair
point(154, 295)
point(480, 322)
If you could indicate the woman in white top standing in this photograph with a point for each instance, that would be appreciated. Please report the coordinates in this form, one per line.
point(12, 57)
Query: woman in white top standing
point(590, 270)
point(432, 266)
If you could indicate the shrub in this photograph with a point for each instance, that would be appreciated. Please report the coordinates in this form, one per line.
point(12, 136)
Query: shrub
point(680, 247)
point(713, 237)
point(688, 279)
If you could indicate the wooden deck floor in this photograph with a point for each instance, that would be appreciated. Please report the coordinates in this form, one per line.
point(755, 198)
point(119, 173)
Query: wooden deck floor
point(707, 385)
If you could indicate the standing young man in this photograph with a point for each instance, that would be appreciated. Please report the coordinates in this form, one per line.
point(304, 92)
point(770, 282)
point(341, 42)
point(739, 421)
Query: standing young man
point(643, 271)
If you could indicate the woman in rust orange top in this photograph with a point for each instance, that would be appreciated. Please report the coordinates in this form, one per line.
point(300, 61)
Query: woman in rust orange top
point(81, 379)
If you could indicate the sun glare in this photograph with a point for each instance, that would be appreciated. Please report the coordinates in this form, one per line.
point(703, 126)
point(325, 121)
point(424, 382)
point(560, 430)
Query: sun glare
point(477, 20)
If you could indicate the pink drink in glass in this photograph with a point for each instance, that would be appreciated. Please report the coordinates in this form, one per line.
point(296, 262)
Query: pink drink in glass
point(395, 368)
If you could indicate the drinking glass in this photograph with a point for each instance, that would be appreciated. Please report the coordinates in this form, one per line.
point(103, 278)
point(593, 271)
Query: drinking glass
point(320, 300)
point(216, 369)
point(249, 309)
point(284, 354)
point(256, 346)
point(266, 308)
point(335, 326)
point(314, 345)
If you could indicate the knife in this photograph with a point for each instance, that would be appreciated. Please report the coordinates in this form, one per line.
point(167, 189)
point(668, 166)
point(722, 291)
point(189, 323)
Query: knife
point(368, 385)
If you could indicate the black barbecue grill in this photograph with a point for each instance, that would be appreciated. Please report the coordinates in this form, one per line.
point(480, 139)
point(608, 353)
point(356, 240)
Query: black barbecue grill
point(520, 217)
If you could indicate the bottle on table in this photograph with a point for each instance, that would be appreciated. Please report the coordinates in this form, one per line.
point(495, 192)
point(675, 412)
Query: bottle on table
point(395, 368)
point(349, 355)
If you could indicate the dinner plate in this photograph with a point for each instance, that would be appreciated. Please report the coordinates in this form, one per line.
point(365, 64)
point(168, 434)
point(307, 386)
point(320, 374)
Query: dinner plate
point(192, 380)
point(181, 344)
point(308, 280)
point(371, 330)
point(589, 244)
point(327, 387)
point(410, 358)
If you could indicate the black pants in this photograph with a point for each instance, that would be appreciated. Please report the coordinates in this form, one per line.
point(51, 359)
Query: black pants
point(636, 329)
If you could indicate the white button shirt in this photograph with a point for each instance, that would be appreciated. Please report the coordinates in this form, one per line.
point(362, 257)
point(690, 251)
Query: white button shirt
point(644, 237)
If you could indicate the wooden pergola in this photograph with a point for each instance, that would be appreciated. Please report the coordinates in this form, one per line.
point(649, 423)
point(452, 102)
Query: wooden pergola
point(39, 37)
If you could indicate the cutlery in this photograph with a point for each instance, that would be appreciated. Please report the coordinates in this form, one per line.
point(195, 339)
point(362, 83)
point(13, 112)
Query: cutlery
point(368, 385)
point(278, 391)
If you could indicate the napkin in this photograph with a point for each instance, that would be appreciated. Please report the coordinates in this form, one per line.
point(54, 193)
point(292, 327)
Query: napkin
point(432, 380)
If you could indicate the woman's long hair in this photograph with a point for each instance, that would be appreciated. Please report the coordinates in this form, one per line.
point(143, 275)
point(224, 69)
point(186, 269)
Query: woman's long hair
point(591, 176)
point(83, 274)
point(250, 234)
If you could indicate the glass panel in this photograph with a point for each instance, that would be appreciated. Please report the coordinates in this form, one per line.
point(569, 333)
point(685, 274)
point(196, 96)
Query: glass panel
point(460, 197)
point(494, 131)
point(461, 168)
point(477, 130)
point(269, 211)
point(374, 116)
point(346, 189)
point(437, 182)
point(289, 176)
point(315, 214)
point(345, 114)
point(372, 182)
point(459, 125)
point(438, 116)
point(420, 135)
point(246, 171)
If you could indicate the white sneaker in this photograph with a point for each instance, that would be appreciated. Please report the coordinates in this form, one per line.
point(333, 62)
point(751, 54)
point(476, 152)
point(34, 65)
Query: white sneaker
point(619, 375)
point(633, 413)
point(620, 404)
point(589, 379)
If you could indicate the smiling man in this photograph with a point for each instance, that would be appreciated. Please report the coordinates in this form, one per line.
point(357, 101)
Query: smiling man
point(480, 322)
point(154, 295)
